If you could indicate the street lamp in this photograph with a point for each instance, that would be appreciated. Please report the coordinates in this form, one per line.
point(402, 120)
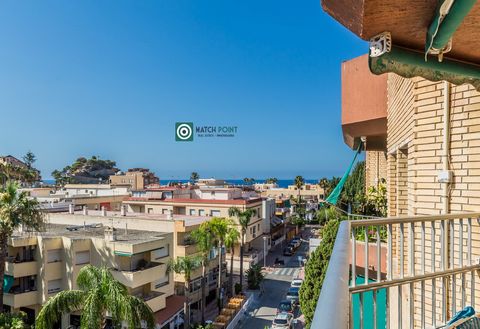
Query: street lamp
point(264, 251)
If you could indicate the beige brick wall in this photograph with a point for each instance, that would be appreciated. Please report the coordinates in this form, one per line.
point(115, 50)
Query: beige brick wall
point(414, 158)
point(375, 168)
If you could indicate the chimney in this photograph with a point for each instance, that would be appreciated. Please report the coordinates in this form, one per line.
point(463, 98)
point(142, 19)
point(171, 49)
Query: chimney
point(123, 210)
point(85, 210)
point(104, 211)
point(110, 234)
point(71, 209)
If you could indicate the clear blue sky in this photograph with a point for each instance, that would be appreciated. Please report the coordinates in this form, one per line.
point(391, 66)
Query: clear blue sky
point(111, 78)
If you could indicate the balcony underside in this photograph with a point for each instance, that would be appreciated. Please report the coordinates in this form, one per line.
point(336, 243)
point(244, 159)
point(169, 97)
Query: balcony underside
point(374, 131)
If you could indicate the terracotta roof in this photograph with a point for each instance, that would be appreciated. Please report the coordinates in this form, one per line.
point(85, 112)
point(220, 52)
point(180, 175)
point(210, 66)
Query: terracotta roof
point(174, 304)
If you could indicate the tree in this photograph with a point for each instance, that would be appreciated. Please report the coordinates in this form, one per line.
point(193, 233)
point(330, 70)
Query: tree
point(323, 182)
point(354, 190)
point(271, 180)
point(98, 295)
point(219, 228)
point(16, 210)
point(244, 218)
point(231, 239)
point(29, 159)
point(299, 182)
point(13, 320)
point(315, 271)
point(204, 239)
point(254, 276)
point(377, 200)
point(185, 265)
point(85, 170)
point(194, 177)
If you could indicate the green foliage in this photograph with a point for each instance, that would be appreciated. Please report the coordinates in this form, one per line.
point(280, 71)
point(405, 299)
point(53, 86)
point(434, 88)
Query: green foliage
point(326, 213)
point(194, 177)
point(98, 294)
point(93, 168)
point(238, 288)
point(249, 181)
point(184, 265)
point(316, 269)
point(354, 190)
point(254, 276)
point(272, 180)
point(13, 321)
point(377, 200)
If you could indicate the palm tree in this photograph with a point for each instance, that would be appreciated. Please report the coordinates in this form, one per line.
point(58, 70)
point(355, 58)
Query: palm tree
point(204, 239)
point(99, 293)
point(272, 180)
point(299, 182)
point(219, 227)
point(16, 210)
point(194, 177)
point(231, 239)
point(185, 265)
point(323, 184)
point(244, 218)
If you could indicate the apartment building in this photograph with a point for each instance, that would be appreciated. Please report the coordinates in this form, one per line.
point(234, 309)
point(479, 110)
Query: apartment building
point(208, 201)
point(178, 228)
point(39, 265)
point(307, 192)
point(135, 179)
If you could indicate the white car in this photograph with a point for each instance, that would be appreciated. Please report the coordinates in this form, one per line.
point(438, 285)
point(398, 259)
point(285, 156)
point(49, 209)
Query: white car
point(296, 283)
point(282, 321)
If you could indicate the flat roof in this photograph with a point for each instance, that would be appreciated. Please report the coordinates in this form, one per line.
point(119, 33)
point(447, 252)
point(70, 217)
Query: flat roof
point(241, 201)
point(93, 231)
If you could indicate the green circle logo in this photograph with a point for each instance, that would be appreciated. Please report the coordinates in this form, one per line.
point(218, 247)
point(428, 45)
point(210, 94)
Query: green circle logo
point(184, 131)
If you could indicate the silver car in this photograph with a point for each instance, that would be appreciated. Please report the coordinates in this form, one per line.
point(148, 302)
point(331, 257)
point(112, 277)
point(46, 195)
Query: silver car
point(282, 321)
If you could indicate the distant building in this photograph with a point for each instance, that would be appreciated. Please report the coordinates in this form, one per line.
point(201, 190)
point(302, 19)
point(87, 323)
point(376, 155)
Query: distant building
point(136, 179)
point(307, 192)
point(15, 162)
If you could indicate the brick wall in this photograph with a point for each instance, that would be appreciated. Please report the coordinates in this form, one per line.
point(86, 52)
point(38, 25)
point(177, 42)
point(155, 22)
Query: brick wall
point(375, 168)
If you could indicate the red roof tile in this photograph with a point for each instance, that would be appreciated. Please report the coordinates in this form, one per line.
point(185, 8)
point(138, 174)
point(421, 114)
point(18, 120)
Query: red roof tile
point(174, 304)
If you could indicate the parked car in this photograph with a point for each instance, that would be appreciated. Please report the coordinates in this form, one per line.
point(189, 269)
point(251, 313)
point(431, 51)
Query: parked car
point(292, 295)
point(282, 321)
point(288, 251)
point(285, 306)
point(296, 283)
point(297, 242)
point(279, 262)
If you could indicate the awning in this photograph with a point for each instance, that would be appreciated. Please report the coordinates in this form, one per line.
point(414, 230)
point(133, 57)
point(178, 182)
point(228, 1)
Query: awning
point(7, 283)
point(174, 305)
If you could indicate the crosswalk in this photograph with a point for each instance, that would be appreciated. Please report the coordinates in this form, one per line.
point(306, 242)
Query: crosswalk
point(286, 271)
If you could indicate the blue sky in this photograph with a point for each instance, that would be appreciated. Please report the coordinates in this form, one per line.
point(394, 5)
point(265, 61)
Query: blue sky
point(111, 78)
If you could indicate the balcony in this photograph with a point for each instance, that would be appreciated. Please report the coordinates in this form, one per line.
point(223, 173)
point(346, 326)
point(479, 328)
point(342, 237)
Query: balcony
point(364, 105)
point(20, 269)
point(135, 278)
point(156, 300)
point(186, 250)
point(431, 269)
point(21, 299)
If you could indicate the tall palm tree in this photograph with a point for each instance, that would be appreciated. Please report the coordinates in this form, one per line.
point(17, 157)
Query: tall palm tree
point(99, 293)
point(16, 210)
point(185, 265)
point(204, 239)
point(194, 177)
point(299, 182)
point(244, 218)
point(324, 185)
point(231, 239)
point(219, 227)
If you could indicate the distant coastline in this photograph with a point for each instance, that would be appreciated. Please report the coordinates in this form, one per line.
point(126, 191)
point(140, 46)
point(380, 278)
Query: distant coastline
point(281, 182)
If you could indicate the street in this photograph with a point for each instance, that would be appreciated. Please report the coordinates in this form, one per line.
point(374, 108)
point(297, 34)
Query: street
point(275, 286)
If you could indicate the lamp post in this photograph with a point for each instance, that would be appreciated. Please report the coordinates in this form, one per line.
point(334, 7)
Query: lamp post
point(264, 251)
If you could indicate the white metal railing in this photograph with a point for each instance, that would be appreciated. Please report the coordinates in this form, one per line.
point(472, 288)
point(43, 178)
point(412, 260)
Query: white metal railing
point(427, 275)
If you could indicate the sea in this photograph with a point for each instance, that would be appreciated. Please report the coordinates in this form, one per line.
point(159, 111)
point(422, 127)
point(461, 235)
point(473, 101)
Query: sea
point(280, 183)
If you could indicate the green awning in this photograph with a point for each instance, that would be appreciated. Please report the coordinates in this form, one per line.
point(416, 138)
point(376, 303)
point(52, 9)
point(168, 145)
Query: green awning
point(120, 253)
point(7, 283)
point(409, 64)
point(333, 197)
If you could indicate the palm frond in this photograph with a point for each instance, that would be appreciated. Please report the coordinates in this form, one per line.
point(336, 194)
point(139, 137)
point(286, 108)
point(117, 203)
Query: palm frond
point(64, 302)
point(89, 277)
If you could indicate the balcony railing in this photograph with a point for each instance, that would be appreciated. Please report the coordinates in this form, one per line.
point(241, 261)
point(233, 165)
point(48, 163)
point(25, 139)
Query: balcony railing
point(431, 269)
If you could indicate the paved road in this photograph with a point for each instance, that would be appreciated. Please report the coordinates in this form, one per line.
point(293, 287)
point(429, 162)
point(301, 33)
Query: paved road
point(263, 309)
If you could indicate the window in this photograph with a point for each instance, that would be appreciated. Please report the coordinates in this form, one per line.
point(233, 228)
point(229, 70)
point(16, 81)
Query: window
point(201, 212)
point(54, 286)
point(54, 255)
point(150, 210)
point(215, 213)
point(195, 284)
point(193, 212)
point(162, 282)
point(82, 257)
point(160, 253)
point(164, 211)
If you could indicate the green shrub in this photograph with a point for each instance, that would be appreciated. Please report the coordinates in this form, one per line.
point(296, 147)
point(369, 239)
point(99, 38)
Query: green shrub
point(13, 321)
point(315, 271)
point(238, 288)
point(254, 276)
